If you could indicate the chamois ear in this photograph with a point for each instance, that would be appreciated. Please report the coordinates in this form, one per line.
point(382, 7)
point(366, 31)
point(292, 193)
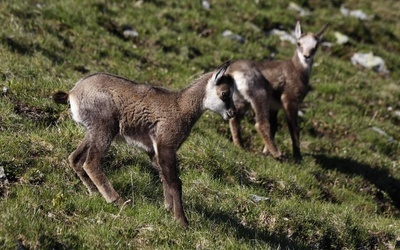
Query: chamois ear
point(297, 30)
point(321, 32)
point(220, 71)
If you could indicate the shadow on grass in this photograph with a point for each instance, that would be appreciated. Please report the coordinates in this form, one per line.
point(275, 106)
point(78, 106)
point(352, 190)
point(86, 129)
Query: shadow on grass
point(28, 48)
point(381, 178)
point(112, 166)
point(244, 233)
point(247, 233)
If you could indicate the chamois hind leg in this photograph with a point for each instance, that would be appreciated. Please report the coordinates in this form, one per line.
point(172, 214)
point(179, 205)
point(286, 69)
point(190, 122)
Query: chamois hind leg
point(76, 161)
point(99, 143)
point(291, 112)
point(261, 109)
point(172, 184)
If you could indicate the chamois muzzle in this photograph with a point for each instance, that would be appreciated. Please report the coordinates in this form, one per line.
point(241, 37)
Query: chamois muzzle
point(231, 113)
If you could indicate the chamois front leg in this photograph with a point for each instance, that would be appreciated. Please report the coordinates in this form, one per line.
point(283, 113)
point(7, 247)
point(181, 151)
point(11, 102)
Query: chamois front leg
point(234, 125)
point(153, 158)
point(167, 197)
point(172, 184)
point(291, 113)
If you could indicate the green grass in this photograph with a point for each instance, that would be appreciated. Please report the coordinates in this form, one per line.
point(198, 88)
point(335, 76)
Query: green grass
point(345, 194)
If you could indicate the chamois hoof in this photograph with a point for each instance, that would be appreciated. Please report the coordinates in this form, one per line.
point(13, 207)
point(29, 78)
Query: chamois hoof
point(92, 191)
point(281, 158)
point(298, 159)
point(120, 202)
point(168, 207)
point(184, 222)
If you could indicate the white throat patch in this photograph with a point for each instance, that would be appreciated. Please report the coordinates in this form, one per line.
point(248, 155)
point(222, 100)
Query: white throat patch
point(304, 62)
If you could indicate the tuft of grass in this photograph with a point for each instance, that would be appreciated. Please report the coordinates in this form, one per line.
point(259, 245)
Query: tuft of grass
point(343, 195)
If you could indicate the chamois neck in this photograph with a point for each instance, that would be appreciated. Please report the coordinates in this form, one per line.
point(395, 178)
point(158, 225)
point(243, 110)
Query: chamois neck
point(301, 63)
point(192, 97)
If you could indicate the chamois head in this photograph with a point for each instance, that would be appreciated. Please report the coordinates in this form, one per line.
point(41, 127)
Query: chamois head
point(219, 91)
point(307, 43)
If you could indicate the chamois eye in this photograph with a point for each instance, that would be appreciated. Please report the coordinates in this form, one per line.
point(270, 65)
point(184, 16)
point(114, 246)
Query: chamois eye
point(225, 94)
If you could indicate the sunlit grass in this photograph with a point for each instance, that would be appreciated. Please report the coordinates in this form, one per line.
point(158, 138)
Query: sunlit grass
point(343, 195)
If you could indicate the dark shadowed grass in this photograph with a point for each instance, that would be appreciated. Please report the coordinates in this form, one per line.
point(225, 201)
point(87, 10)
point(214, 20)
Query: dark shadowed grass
point(345, 194)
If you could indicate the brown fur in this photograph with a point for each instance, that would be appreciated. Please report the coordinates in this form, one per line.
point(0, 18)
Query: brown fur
point(153, 118)
point(271, 85)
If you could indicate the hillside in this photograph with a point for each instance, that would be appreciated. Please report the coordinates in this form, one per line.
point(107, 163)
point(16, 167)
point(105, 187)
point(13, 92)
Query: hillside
point(345, 193)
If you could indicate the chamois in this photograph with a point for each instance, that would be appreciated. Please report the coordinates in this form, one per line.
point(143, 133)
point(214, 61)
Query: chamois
point(152, 118)
point(268, 86)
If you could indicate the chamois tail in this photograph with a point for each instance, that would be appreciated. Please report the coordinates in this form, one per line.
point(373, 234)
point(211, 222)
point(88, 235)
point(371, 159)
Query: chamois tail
point(60, 97)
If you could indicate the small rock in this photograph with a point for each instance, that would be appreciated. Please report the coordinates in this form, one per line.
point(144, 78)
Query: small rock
point(283, 35)
point(233, 36)
point(296, 7)
point(3, 177)
point(206, 4)
point(257, 198)
point(341, 38)
point(5, 90)
point(130, 33)
point(354, 13)
point(326, 45)
point(370, 61)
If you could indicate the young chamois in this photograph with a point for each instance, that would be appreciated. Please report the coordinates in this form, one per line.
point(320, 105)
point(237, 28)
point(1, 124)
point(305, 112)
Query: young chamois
point(268, 86)
point(152, 118)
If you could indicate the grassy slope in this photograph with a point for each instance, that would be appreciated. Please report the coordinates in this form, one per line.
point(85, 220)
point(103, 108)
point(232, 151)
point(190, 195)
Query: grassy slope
point(344, 194)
